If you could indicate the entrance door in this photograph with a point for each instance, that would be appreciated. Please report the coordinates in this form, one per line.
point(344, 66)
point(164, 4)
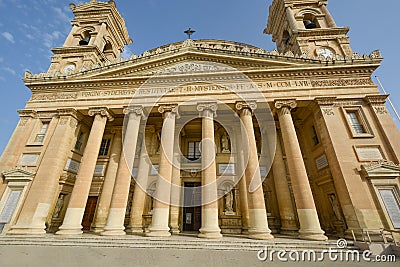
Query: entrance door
point(192, 207)
point(89, 213)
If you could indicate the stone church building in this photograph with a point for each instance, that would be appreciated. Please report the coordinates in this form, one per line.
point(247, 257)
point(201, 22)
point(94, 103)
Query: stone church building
point(208, 137)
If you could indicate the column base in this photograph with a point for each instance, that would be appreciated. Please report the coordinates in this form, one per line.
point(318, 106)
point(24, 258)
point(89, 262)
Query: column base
point(97, 229)
point(135, 230)
point(210, 234)
point(69, 231)
point(175, 231)
point(158, 233)
point(260, 235)
point(159, 223)
point(113, 232)
point(312, 235)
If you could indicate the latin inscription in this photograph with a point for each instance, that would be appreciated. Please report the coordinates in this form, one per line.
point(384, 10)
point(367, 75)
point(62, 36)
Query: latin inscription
point(369, 154)
point(188, 89)
point(226, 169)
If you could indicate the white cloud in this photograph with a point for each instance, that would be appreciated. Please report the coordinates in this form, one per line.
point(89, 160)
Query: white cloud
point(61, 14)
point(10, 70)
point(8, 36)
point(30, 36)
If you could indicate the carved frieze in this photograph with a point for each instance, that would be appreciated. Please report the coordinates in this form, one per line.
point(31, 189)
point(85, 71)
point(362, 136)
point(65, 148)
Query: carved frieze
point(341, 82)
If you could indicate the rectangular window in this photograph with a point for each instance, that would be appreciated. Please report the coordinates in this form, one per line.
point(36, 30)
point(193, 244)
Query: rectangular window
point(40, 136)
point(104, 147)
point(79, 141)
point(392, 206)
point(194, 150)
point(355, 122)
point(315, 136)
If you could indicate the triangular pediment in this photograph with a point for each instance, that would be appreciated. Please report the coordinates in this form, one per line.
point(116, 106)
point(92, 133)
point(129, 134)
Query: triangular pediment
point(177, 58)
point(382, 169)
point(19, 173)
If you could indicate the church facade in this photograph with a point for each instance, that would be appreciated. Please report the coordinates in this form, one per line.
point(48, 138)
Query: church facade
point(204, 136)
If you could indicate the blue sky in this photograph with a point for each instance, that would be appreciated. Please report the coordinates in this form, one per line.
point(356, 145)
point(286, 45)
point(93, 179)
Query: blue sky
point(28, 29)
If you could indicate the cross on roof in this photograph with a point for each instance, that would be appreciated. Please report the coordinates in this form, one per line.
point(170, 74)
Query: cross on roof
point(189, 32)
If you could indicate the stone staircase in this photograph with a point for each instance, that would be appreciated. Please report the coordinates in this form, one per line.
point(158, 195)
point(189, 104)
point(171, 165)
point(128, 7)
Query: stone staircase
point(228, 243)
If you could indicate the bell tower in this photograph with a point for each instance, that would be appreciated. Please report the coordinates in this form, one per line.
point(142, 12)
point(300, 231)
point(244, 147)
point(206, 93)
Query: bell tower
point(307, 27)
point(98, 35)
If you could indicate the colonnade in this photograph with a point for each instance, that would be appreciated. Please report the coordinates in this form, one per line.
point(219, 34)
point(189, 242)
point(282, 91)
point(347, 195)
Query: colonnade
point(113, 201)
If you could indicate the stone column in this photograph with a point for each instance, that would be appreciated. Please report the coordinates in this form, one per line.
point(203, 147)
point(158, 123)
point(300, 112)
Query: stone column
point(159, 223)
point(328, 16)
point(244, 203)
point(209, 209)
point(80, 193)
point(175, 195)
point(290, 17)
point(286, 210)
point(258, 215)
point(119, 201)
point(139, 193)
point(103, 206)
point(310, 228)
point(44, 187)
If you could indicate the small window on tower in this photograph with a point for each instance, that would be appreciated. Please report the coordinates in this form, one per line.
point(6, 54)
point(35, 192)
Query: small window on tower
point(85, 38)
point(310, 21)
point(107, 48)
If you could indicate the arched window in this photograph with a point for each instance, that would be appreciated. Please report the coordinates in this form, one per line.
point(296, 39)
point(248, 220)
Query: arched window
point(310, 21)
point(85, 38)
point(108, 48)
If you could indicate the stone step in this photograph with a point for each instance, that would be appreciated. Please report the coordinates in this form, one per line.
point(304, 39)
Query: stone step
point(176, 242)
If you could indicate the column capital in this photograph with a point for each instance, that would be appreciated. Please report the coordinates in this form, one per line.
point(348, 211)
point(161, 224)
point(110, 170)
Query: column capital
point(104, 112)
point(250, 105)
point(27, 113)
point(136, 109)
point(376, 100)
point(285, 104)
point(163, 108)
point(211, 106)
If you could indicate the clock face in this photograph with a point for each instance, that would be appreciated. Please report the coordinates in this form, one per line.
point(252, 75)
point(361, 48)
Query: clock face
point(326, 52)
point(69, 68)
